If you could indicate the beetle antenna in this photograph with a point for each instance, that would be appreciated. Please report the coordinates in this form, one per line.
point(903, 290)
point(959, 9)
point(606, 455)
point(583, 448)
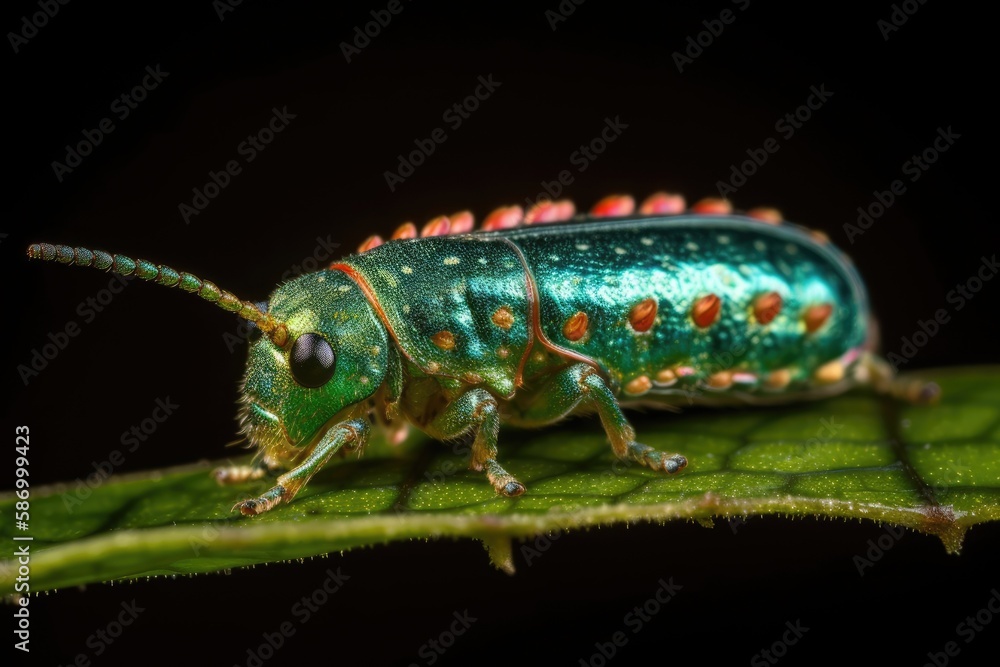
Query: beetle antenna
point(166, 276)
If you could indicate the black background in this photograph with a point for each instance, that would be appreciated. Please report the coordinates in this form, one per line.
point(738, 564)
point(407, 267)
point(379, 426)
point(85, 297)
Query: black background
point(324, 176)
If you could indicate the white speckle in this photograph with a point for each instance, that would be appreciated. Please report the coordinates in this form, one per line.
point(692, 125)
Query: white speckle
point(620, 251)
point(760, 245)
point(321, 279)
point(363, 379)
point(407, 270)
point(390, 280)
point(745, 270)
point(692, 245)
point(406, 308)
point(646, 240)
point(791, 249)
point(582, 247)
point(482, 260)
point(451, 261)
point(554, 258)
point(344, 288)
point(723, 239)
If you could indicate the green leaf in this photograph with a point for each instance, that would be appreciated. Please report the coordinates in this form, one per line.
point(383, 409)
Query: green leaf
point(860, 456)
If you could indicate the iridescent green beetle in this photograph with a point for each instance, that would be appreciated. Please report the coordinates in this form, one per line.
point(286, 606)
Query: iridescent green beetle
point(527, 323)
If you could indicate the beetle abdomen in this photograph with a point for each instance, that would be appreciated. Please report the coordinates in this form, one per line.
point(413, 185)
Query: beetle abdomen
point(724, 301)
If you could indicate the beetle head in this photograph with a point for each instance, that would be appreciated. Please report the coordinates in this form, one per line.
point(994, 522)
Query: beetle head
point(335, 357)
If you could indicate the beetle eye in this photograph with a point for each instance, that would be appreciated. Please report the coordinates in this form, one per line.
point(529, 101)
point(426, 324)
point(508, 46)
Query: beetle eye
point(312, 360)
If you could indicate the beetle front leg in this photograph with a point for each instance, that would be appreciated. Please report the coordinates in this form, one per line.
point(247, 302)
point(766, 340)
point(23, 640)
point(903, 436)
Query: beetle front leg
point(579, 388)
point(477, 409)
point(352, 433)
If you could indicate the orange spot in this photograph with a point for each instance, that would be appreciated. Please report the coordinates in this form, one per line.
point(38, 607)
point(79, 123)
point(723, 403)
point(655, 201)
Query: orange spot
point(439, 226)
point(576, 326)
point(720, 380)
point(666, 376)
point(444, 339)
point(819, 236)
point(778, 379)
point(712, 206)
point(643, 314)
point(613, 205)
point(816, 316)
point(829, 373)
point(407, 230)
point(462, 222)
point(504, 217)
point(706, 310)
point(771, 216)
point(766, 307)
point(663, 203)
point(550, 211)
point(369, 243)
point(503, 318)
point(639, 385)
point(503, 352)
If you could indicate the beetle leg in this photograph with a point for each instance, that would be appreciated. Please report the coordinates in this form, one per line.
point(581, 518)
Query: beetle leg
point(352, 433)
point(579, 388)
point(877, 372)
point(259, 469)
point(477, 409)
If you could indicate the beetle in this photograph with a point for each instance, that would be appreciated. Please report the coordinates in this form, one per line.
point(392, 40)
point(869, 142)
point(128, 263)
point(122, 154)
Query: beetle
point(455, 330)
